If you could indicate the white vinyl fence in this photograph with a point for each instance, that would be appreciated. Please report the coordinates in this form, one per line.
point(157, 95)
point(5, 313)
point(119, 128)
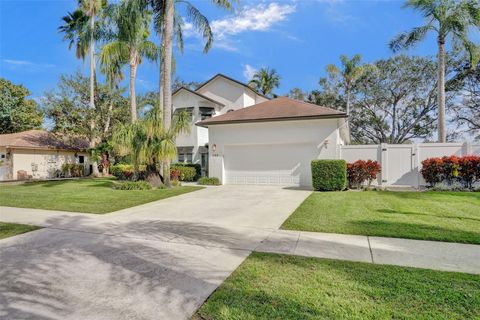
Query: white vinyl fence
point(401, 163)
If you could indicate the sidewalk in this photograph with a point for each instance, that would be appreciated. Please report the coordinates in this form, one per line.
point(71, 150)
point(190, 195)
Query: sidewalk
point(445, 256)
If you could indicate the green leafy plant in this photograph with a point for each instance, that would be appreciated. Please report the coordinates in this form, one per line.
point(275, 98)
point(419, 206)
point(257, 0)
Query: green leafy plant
point(207, 181)
point(197, 166)
point(132, 185)
point(184, 173)
point(329, 175)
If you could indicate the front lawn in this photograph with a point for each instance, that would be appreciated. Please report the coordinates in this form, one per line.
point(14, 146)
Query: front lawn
point(270, 286)
point(83, 195)
point(441, 216)
point(12, 229)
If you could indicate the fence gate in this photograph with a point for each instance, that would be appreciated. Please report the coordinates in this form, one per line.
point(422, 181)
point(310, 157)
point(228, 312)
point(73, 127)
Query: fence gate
point(401, 169)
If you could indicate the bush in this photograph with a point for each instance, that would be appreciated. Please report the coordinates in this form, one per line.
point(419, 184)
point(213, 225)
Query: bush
point(73, 170)
point(132, 185)
point(329, 175)
point(196, 166)
point(361, 171)
point(183, 173)
point(126, 171)
point(209, 181)
point(451, 170)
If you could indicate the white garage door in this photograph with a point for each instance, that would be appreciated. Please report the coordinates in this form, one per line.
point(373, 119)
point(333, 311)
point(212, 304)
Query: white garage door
point(271, 164)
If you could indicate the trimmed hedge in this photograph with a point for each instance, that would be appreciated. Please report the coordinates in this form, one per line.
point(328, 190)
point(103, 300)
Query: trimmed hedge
point(452, 170)
point(126, 172)
point(132, 185)
point(183, 173)
point(196, 166)
point(329, 175)
point(209, 181)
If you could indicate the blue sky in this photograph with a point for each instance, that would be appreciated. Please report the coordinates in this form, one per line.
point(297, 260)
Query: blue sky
point(297, 38)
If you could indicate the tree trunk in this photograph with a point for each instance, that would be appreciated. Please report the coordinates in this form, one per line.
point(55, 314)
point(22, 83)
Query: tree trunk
point(161, 73)
point(167, 89)
point(442, 134)
point(133, 99)
point(93, 138)
point(108, 120)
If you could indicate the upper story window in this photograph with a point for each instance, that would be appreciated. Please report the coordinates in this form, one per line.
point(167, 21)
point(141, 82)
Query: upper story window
point(187, 110)
point(206, 112)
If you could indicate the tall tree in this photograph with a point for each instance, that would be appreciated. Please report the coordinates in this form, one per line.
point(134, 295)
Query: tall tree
point(168, 25)
point(265, 80)
point(446, 18)
point(17, 113)
point(298, 94)
point(350, 71)
point(80, 29)
point(67, 107)
point(393, 103)
point(131, 20)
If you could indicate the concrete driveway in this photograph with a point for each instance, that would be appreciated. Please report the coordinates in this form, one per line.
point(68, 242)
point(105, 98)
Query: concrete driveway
point(156, 261)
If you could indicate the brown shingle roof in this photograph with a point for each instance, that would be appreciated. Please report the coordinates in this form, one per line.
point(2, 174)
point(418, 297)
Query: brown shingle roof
point(41, 139)
point(278, 109)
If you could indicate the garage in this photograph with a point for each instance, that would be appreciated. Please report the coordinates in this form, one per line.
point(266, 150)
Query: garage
point(273, 142)
point(269, 164)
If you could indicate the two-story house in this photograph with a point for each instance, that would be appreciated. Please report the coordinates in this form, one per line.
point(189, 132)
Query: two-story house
point(217, 96)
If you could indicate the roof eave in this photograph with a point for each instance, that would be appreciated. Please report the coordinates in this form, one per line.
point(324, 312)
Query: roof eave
point(233, 80)
point(199, 95)
point(205, 124)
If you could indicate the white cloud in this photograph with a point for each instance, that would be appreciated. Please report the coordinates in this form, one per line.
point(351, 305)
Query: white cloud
point(24, 64)
point(259, 18)
point(248, 72)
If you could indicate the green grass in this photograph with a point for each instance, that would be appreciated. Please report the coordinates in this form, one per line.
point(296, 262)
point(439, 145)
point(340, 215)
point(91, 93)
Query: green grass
point(441, 216)
point(12, 229)
point(84, 195)
point(269, 286)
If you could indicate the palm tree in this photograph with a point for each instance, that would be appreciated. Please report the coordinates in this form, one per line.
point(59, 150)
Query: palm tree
point(445, 18)
point(131, 44)
point(350, 71)
point(148, 142)
point(168, 25)
point(79, 29)
point(265, 80)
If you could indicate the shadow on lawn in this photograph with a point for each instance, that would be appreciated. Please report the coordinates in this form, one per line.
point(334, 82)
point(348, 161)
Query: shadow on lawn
point(79, 269)
point(382, 228)
point(390, 211)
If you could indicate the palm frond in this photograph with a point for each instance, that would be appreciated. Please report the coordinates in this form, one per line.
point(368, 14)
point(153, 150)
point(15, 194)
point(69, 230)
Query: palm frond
point(201, 24)
point(409, 39)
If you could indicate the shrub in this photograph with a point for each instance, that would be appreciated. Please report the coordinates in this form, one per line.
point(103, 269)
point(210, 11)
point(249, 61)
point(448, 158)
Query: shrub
point(196, 166)
point(451, 170)
point(174, 174)
point(209, 181)
point(329, 175)
point(183, 173)
point(126, 171)
point(132, 185)
point(361, 171)
point(73, 170)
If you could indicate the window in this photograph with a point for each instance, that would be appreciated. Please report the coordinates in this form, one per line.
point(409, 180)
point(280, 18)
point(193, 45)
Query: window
point(181, 157)
point(206, 112)
point(189, 157)
point(81, 159)
point(189, 111)
point(2, 156)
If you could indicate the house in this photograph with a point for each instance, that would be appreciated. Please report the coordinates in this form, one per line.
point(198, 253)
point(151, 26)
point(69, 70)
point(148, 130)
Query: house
point(38, 154)
point(217, 96)
point(273, 142)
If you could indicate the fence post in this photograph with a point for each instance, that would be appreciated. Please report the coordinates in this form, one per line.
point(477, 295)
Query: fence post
point(383, 163)
point(416, 164)
point(466, 148)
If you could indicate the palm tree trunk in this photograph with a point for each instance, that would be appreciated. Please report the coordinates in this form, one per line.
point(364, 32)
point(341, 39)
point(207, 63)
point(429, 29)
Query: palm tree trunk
point(348, 102)
point(109, 119)
point(93, 138)
point(442, 135)
point(167, 89)
point(161, 73)
point(133, 99)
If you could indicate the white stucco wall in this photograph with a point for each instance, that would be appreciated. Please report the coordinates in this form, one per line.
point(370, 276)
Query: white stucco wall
point(197, 136)
point(312, 139)
point(46, 161)
point(233, 95)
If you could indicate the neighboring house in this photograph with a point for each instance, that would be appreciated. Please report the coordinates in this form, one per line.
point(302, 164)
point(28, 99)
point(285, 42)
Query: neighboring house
point(38, 154)
point(217, 96)
point(273, 142)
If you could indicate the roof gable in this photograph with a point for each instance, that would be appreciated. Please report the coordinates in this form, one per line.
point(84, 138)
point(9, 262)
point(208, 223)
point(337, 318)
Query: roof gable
point(197, 94)
point(278, 109)
point(239, 83)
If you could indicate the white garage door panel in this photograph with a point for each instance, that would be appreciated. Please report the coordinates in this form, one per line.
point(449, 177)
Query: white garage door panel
point(286, 164)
